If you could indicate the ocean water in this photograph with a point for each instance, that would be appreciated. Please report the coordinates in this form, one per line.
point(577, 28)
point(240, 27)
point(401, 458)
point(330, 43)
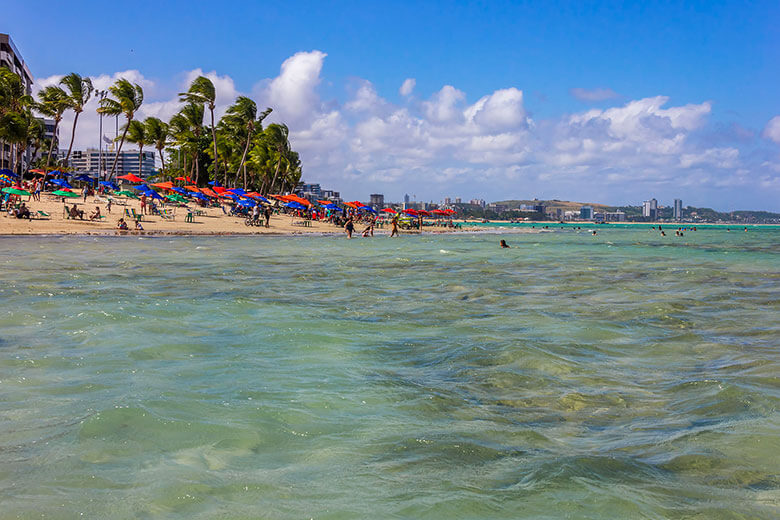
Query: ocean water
point(624, 375)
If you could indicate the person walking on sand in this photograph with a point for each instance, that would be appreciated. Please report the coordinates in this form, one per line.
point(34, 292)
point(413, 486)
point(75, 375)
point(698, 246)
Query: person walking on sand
point(394, 232)
point(349, 227)
point(267, 216)
point(85, 192)
point(143, 204)
point(108, 205)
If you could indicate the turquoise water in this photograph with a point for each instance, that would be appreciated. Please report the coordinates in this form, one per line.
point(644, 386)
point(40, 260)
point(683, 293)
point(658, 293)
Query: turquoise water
point(623, 375)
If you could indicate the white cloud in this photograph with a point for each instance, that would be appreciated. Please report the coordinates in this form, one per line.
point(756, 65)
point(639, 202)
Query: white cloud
point(772, 130)
point(407, 86)
point(489, 148)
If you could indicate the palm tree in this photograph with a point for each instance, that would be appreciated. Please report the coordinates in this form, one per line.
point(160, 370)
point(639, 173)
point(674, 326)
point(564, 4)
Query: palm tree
point(243, 114)
point(202, 92)
point(128, 98)
point(80, 90)
point(157, 133)
point(136, 134)
point(186, 128)
point(53, 102)
point(276, 138)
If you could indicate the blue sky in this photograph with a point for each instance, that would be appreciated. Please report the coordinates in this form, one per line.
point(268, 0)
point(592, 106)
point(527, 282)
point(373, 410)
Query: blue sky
point(609, 102)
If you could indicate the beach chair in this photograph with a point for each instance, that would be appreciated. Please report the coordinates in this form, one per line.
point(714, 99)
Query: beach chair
point(127, 213)
point(167, 214)
point(136, 216)
point(40, 215)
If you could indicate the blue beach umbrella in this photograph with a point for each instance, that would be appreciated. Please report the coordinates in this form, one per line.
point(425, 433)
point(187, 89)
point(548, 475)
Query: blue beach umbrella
point(109, 184)
point(368, 208)
point(294, 205)
point(237, 191)
point(182, 191)
point(198, 196)
point(62, 183)
point(247, 203)
point(6, 171)
point(215, 183)
point(84, 177)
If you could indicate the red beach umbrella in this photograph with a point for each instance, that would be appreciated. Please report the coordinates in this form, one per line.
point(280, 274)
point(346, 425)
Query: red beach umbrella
point(130, 177)
point(388, 210)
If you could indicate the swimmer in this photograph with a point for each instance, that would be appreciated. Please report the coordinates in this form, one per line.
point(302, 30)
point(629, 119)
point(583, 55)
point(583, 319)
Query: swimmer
point(594, 231)
point(503, 244)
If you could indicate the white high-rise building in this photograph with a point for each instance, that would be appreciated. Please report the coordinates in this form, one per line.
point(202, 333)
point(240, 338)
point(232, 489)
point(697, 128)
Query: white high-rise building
point(88, 161)
point(678, 209)
point(650, 209)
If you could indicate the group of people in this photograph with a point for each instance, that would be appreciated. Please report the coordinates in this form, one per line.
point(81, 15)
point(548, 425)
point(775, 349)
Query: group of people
point(266, 213)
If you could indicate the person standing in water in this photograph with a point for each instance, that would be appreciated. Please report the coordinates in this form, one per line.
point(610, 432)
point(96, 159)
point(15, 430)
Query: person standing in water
point(394, 232)
point(349, 227)
point(503, 244)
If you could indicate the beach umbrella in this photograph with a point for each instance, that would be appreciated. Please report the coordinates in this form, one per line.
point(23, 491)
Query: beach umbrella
point(126, 193)
point(216, 184)
point(15, 191)
point(238, 191)
point(62, 183)
point(247, 203)
point(388, 210)
point(368, 208)
point(181, 191)
point(294, 205)
point(130, 177)
point(9, 173)
point(199, 196)
point(410, 212)
point(65, 193)
point(109, 184)
point(423, 212)
point(176, 198)
point(168, 185)
point(184, 179)
point(153, 194)
point(84, 177)
point(208, 192)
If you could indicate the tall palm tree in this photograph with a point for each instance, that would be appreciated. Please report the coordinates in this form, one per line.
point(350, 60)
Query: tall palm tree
point(157, 133)
point(136, 134)
point(79, 91)
point(52, 102)
point(243, 114)
point(127, 99)
point(202, 92)
point(276, 138)
point(186, 127)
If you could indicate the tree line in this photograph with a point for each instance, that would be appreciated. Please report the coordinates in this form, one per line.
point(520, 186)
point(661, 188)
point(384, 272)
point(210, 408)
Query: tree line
point(236, 150)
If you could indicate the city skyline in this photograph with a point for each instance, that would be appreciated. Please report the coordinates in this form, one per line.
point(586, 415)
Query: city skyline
point(590, 116)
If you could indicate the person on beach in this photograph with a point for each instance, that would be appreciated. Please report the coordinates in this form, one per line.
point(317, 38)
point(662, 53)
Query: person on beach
point(75, 212)
point(349, 227)
point(85, 192)
point(267, 216)
point(138, 226)
point(108, 206)
point(121, 225)
point(143, 204)
point(95, 215)
point(22, 212)
point(504, 245)
point(394, 222)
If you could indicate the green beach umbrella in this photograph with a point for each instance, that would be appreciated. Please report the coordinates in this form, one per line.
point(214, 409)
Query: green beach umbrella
point(125, 193)
point(16, 191)
point(62, 193)
point(177, 198)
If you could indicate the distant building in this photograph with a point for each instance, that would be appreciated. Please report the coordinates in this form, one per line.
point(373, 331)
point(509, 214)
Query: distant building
point(477, 202)
point(498, 208)
point(678, 209)
point(309, 189)
point(650, 209)
point(614, 216)
point(335, 196)
point(457, 200)
point(11, 59)
point(586, 213)
point(406, 198)
point(447, 201)
point(88, 161)
point(377, 200)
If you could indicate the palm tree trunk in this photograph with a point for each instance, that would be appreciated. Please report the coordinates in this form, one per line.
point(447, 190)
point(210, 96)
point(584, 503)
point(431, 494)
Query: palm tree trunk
point(214, 140)
point(245, 177)
point(51, 146)
point(197, 169)
point(273, 182)
point(118, 150)
point(243, 156)
point(140, 157)
point(162, 159)
point(72, 136)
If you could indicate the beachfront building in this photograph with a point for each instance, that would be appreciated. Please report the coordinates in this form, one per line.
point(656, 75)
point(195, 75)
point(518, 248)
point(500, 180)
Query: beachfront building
point(377, 200)
point(309, 189)
point(331, 195)
point(477, 202)
point(11, 59)
point(614, 216)
point(678, 209)
point(88, 161)
point(586, 213)
point(650, 209)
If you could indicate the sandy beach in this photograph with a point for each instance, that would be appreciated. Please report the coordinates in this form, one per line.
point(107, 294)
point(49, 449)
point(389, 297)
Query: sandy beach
point(212, 222)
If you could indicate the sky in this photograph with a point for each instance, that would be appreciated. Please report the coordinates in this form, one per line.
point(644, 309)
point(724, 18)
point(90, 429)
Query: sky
point(604, 102)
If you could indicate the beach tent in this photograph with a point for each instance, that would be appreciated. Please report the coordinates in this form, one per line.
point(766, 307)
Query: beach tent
point(130, 177)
